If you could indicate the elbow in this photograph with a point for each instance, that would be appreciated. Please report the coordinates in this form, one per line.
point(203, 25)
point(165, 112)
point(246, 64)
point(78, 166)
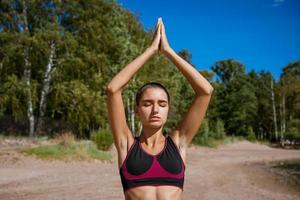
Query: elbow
point(209, 91)
point(111, 90)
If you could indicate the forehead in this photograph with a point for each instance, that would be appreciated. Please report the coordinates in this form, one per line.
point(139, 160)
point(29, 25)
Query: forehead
point(154, 94)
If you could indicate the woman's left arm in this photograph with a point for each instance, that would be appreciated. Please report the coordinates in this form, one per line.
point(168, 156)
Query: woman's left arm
point(191, 122)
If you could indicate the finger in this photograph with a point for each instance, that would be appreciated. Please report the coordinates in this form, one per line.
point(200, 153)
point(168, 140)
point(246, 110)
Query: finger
point(158, 21)
point(158, 30)
point(162, 28)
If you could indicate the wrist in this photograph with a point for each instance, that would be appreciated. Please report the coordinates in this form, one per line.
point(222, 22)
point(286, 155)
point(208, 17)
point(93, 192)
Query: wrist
point(168, 51)
point(151, 50)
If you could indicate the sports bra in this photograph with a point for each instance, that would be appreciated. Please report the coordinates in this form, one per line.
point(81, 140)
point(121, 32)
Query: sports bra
point(141, 168)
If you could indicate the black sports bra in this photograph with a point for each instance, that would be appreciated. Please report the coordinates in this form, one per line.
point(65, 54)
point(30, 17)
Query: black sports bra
point(141, 168)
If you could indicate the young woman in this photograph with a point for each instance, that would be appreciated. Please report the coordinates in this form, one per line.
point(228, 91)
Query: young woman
point(152, 165)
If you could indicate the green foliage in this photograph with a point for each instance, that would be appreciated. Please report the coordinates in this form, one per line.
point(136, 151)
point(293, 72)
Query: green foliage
point(210, 134)
point(294, 124)
point(293, 131)
point(202, 137)
point(81, 104)
point(94, 40)
point(219, 130)
point(293, 134)
point(103, 139)
point(235, 97)
point(77, 151)
point(250, 134)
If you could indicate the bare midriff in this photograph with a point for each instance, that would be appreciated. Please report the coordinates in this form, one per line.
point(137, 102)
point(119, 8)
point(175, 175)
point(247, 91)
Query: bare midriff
point(163, 192)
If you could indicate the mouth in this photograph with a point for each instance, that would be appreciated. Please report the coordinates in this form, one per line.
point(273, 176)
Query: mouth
point(154, 118)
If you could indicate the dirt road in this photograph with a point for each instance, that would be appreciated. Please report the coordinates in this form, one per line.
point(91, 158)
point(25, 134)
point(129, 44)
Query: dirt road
point(239, 171)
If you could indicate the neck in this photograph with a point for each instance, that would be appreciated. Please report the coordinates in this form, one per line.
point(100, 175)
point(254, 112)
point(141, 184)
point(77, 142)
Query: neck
point(151, 137)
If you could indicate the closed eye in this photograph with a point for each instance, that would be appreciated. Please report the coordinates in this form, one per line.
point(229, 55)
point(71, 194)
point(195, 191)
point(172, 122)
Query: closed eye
point(149, 103)
point(163, 104)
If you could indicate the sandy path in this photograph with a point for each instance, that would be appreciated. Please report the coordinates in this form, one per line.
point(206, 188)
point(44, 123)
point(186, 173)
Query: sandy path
point(232, 172)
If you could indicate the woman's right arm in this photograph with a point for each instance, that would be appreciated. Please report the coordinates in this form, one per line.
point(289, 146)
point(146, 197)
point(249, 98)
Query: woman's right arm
point(116, 111)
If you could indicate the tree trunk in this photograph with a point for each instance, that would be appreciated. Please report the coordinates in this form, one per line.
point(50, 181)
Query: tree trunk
point(132, 115)
point(283, 115)
point(45, 88)
point(128, 112)
point(27, 74)
point(274, 110)
point(281, 118)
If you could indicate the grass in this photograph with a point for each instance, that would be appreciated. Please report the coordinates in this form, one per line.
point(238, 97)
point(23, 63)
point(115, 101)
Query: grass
point(66, 148)
point(76, 151)
point(291, 168)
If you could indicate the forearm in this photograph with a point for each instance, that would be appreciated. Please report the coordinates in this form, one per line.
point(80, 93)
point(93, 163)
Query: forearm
point(123, 77)
point(198, 82)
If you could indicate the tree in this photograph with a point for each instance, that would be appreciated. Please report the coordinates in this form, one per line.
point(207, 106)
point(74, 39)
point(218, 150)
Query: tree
point(236, 100)
point(290, 100)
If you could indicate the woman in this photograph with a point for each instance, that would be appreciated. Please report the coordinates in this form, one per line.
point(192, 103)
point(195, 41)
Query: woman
point(152, 165)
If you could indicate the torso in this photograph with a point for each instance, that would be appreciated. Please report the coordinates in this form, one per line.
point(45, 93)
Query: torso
point(163, 192)
point(154, 193)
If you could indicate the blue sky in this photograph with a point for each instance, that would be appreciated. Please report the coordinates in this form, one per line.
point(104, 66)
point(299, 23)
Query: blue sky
point(261, 34)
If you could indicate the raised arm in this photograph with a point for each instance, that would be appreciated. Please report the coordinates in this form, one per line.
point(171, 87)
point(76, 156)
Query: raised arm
point(188, 127)
point(116, 113)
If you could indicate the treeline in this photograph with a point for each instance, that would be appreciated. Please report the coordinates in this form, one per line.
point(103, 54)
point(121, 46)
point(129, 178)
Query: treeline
point(57, 57)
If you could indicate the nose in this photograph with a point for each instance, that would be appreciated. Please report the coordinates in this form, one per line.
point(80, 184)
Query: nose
point(155, 108)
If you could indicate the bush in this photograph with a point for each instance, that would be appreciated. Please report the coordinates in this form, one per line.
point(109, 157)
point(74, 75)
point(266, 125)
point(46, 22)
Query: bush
point(250, 134)
point(293, 131)
point(202, 137)
point(103, 139)
point(219, 130)
point(293, 135)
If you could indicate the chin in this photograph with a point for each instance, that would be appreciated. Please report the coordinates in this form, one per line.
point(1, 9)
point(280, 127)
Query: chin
point(154, 124)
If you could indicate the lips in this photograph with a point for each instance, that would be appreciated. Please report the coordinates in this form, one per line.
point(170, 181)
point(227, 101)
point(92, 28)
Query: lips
point(154, 118)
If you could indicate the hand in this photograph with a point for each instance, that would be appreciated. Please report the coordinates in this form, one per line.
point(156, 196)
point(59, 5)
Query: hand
point(157, 37)
point(164, 44)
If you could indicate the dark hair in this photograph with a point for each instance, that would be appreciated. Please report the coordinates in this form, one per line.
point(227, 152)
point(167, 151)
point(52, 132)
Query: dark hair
point(142, 89)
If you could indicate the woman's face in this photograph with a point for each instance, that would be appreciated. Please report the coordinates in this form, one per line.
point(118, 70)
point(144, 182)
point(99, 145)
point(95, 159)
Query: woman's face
point(153, 108)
